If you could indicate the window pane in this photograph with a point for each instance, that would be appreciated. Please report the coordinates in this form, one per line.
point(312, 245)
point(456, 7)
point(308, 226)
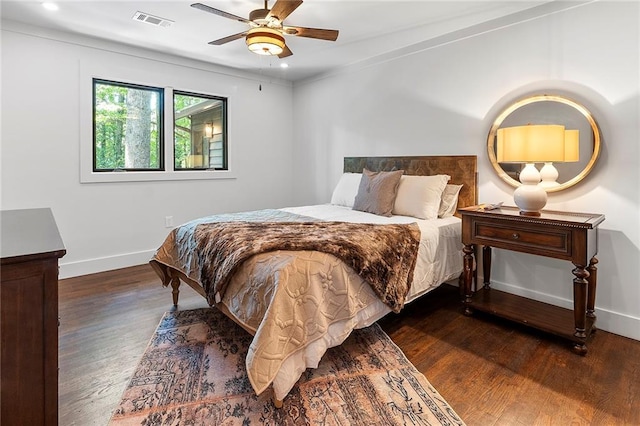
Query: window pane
point(127, 127)
point(199, 131)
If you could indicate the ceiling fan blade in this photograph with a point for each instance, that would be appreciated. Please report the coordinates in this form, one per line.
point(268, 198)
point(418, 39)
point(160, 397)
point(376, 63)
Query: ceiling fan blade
point(285, 52)
point(331, 35)
point(227, 39)
point(219, 12)
point(283, 8)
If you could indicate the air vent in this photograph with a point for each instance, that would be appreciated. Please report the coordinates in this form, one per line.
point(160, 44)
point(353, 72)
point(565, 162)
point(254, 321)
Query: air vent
point(153, 20)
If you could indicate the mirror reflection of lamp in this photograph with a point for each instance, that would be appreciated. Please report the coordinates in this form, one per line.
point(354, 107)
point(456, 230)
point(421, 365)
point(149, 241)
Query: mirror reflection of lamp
point(530, 144)
point(548, 172)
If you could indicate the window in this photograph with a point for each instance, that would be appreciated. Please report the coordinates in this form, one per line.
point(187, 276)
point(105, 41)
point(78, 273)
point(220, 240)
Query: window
point(127, 122)
point(199, 131)
point(152, 133)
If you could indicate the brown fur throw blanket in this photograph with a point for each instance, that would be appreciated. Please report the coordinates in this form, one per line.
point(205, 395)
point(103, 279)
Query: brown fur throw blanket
point(383, 255)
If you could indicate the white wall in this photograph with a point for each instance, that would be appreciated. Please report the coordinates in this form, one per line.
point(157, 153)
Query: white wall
point(442, 99)
point(111, 225)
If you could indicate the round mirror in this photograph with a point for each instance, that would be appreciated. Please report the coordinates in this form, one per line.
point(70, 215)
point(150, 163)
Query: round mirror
point(543, 110)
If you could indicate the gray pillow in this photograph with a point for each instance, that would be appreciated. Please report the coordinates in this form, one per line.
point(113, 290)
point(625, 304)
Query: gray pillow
point(377, 192)
point(449, 200)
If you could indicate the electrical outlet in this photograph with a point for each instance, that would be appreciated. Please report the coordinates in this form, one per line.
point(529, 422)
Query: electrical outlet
point(168, 221)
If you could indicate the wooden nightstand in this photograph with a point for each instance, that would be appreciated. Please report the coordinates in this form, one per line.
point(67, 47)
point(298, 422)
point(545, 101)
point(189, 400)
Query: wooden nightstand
point(560, 235)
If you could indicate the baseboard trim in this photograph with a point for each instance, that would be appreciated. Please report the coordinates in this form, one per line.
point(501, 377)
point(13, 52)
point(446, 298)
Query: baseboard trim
point(102, 264)
point(613, 322)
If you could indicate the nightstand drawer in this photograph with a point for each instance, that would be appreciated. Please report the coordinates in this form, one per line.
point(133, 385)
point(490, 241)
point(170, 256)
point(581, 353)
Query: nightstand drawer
point(527, 239)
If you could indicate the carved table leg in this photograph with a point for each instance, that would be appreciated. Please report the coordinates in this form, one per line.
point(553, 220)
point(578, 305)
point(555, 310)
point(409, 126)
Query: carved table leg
point(468, 251)
point(175, 285)
point(486, 267)
point(580, 307)
point(592, 280)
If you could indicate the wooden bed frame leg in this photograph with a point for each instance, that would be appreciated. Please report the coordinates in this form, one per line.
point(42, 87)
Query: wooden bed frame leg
point(175, 285)
point(277, 402)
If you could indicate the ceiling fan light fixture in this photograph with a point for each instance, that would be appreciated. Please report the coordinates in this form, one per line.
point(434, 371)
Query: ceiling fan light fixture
point(265, 41)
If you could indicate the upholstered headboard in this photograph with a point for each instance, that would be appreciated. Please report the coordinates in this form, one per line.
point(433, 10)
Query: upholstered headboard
point(463, 169)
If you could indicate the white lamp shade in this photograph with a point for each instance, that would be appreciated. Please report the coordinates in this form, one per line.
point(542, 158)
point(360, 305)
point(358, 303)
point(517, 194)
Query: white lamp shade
point(531, 144)
point(571, 146)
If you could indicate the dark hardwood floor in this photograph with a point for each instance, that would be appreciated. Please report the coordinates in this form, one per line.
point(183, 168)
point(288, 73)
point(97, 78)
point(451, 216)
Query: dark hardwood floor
point(492, 372)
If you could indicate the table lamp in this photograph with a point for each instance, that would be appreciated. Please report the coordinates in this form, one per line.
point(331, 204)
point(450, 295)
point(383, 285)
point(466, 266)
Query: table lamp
point(530, 144)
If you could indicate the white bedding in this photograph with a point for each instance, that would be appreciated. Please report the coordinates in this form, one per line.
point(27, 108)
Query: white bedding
point(439, 260)
point(440, 250)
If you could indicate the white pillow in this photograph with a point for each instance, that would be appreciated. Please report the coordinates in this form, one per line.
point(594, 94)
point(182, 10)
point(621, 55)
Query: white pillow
point(419, 196)
point(345, 191)
point(449, 200)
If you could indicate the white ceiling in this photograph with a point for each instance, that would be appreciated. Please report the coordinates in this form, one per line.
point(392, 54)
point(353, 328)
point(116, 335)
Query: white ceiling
point(368, 28)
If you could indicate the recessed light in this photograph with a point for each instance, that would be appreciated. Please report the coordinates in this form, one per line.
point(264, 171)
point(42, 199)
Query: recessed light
point(284, 65)
point(50, 6)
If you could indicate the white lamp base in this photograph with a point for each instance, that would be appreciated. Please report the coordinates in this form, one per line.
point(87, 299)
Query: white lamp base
point(530, 197)
point(548, 176)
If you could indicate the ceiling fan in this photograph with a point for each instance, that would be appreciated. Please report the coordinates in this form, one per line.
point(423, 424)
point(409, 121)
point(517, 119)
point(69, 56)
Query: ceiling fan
point(266, 35)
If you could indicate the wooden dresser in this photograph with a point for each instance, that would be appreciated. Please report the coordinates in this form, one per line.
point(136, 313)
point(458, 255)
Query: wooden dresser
point(30, 249)
point(560, 235)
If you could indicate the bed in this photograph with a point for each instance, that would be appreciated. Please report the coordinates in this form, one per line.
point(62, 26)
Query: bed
point(298, 299)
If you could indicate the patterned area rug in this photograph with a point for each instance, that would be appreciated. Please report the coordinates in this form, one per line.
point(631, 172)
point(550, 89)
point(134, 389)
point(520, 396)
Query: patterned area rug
point(193, 373)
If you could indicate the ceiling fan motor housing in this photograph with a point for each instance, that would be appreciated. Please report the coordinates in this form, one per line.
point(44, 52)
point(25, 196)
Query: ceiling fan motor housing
point(259, 16)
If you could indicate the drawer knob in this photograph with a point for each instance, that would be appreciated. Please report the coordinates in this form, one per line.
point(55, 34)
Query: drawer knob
point(515, 236)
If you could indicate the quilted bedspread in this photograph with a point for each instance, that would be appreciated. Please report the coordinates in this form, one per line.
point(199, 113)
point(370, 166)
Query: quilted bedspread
point(383, 255)
point(297, 303)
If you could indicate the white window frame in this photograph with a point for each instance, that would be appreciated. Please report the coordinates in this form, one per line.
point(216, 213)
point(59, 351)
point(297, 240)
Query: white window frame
point(88, 73)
